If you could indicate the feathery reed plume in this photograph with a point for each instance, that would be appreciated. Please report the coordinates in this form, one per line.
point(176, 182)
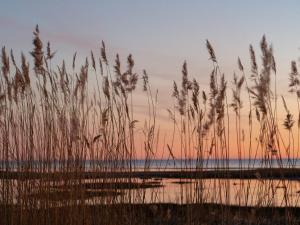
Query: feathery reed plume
point(204, 97)
point(261, 90)
point(236, 101)
point(288, 122)
point(267, 58)
point(25, 69)
point(294, 87)
point(241, 67)
point(18, 85)
point(64, 82)
point(37, 52)
point(87, 62)
point(5, 65)
point(93, 60)
point(81, 82)
point(212, 104)
point(129, 78)
point(294, 70)
point(49, 54)
point(74, 60)
point(103, 53)
point(185, 84)
point(195, 95)
point(13, 59)
point(181, 96)
point(253, 62)
point(5, 72)
point(220, 108)
point(106, 87)
point(145, 80)
point(130, 63)
point(117, 66)
point(212, 85)
point(273, 62)
point(175, 90)
point(294, 78)
point(211, 51)
point(101, 66)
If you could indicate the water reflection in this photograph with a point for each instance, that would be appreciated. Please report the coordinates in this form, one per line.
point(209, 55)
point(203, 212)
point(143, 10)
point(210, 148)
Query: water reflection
point(243, 192)
point(250, 192)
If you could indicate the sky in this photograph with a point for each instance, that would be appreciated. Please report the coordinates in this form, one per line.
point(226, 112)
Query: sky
point(160, 34)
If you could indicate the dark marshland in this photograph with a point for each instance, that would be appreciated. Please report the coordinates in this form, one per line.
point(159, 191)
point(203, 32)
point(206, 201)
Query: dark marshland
point(84, 141)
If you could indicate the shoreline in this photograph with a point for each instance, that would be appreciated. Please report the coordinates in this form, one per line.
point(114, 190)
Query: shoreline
point(273, 173)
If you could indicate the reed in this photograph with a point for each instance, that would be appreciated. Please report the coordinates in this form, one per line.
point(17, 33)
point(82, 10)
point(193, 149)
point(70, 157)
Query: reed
point(66, 130)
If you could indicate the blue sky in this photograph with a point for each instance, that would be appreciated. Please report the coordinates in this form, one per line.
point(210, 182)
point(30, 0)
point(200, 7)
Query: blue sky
point(160, 34)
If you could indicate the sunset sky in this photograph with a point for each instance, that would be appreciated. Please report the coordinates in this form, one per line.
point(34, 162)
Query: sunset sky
point(160, 34)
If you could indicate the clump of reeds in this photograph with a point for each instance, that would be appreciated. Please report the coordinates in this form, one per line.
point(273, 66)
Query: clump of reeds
point(60, 123)
point(54, 123)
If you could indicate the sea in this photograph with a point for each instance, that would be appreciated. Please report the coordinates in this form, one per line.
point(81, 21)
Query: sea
point(162, 164)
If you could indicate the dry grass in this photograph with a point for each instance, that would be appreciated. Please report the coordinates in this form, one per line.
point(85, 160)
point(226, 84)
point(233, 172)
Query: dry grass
point(58, 121)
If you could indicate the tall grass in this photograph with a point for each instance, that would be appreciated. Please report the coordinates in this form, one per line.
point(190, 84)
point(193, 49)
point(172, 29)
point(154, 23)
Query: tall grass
point(64, 123)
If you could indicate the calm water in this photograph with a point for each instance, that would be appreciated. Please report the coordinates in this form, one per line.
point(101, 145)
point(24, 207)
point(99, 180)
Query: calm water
point(227, 191)
point(162, 164)
point(209, 164)
point(254, 192)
